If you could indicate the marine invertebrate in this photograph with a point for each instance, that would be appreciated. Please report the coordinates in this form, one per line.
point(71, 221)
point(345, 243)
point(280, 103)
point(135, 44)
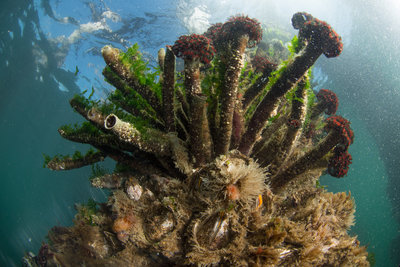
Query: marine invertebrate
point(239, 25)
point(261, 64)
point(338, 124)
point(237, 33)
point(327, 101)
point(339, 163)
point(194, 46)
point(299, 18)
point(195, 49)
point(339, 135)
point(231, 30)
point(320, 39)
point(213, 32)
point(195, 183)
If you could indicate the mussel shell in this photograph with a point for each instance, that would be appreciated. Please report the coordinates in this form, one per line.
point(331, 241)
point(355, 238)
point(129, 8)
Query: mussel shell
point(213, 232)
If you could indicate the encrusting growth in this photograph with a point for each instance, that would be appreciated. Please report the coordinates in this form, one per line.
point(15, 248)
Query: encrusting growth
point(233, 38)
point(265, 67)
point(217, 164)
point(320, 39)
point(339, 135)
point(327, 101)
point(196, 49)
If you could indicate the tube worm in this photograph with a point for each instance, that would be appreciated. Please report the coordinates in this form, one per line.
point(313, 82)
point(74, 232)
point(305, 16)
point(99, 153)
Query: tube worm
point(196, 49)
point(267, 153)
point(161, 58)
point(89, 113)
point(168, 88)
point(339, 134)
point(321, 39)
point(70, 163)
point(327, 101)
point(240, 32)
point(146, 139)
point(298, 21)
point(220, 209)
point(238, 122)
point(149, 140)
point(294, 123)
point(339, 163)
point(112, 58)
point(264, 66)
point(299, 18)
point(267, 133)
point(111, 148)
point(109, 181)
point(147, 167)
point(229, 95)
point(136, 105)
point(95, 139)
point(199, 130)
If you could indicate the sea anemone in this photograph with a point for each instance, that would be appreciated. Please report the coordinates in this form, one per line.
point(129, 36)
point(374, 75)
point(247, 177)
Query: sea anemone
point(339, 163)
point(328, 101)
point(213, 32)
point(322, 37)
point(232, 192)
point(261, 64)
point(299, 18)
point(194, 46)
point(339, 135)
point(239, 25)
point(342, 129)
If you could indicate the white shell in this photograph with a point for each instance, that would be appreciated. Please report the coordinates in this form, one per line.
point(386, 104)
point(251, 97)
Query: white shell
point(134, 192)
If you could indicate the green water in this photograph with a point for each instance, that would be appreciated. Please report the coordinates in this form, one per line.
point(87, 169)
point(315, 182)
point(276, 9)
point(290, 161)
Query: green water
point(34, 199)
point(367, 181)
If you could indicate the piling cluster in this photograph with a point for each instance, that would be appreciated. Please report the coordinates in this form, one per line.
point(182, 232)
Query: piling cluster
point(217, 164)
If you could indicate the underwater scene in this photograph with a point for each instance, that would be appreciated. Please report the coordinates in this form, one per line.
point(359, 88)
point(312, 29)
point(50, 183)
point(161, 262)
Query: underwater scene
point(200, 133)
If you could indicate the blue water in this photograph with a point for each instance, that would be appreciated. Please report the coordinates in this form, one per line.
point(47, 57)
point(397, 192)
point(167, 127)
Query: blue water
point(42, 43)
point(367, 181)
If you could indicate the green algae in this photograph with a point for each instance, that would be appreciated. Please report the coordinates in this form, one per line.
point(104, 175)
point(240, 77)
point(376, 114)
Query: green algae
point(134, 60)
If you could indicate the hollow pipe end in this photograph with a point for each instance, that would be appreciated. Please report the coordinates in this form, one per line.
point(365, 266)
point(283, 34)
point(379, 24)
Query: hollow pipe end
point(110, 121)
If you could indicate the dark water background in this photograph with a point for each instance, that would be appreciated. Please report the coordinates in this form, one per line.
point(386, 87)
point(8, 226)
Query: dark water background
point(37, 78)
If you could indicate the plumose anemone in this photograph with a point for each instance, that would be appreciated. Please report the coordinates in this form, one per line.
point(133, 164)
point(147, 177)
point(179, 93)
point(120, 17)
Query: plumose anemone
point(215, 163)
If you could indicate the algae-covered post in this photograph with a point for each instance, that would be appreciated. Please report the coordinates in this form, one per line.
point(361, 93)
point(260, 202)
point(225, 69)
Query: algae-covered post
point(195, 50)
point(217, 164)
point(320, 39)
